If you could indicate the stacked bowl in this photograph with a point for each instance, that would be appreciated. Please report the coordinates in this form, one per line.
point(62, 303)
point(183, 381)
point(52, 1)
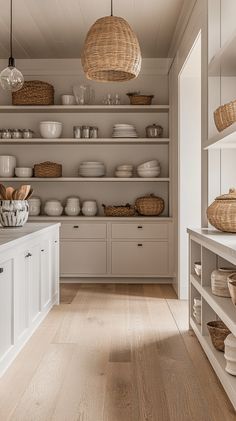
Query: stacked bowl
point(92, 169)
point(149, 169)
point(124, 171)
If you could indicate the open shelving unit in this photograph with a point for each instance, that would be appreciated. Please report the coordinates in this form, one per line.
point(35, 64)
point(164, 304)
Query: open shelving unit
point(223, 62)
point(213, 249)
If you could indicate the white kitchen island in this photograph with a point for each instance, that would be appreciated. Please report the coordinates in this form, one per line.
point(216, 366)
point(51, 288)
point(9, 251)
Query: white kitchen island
point(29, 283)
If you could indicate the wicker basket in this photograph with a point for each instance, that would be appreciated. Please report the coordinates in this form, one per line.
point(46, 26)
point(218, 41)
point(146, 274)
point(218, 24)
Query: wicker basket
point(34, 92)
point(149, 205)
point(137, 99)
point(222, 212)
point(218, 333)
point(47, 170)
point(225, 115)
point(126, 210)
point(111, 51)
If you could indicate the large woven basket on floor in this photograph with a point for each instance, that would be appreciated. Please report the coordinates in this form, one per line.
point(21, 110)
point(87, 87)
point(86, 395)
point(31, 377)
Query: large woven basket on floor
point(222, 212)
point(126, 210)
point(111, 51)
point(218, 333)
point(149, 205)
point(137, 99)
point(225, 115)
point(47, 169)
point(34, 92)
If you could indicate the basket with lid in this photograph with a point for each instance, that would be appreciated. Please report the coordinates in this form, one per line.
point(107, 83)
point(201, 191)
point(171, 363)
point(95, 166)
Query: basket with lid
point(222, 212)
point(149, 205)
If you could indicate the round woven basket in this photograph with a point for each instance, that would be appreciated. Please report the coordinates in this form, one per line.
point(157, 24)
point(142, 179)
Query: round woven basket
point(225, 115)
point(34, 92)
point(149, 205)
point(126, 210)
point(47, 169)
point(222, 212)
point(111, 51)
point(218, 333)
point(136, 99)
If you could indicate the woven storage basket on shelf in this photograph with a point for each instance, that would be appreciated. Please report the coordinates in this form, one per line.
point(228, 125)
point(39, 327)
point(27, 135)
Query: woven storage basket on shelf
point(218, 333)
point(136, 99)
point(111, 51)
point(126, 210)
point(225, 115)
point(34, 92)
point(222, 212)
point(149, 205)
point(47, 169)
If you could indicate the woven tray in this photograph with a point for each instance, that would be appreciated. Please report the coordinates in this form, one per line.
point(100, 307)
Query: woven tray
point(149, 205)
point(225, 115)
point(218, 333)
point(136, 99)
point(47, 169)
point(34, 92)
point(126, 210)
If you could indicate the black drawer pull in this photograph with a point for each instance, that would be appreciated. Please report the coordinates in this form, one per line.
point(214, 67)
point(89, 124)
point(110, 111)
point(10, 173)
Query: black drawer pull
point(1, 270)
point(42, 250)
point(140, 245)
point(28, 255)
point(140, 226)
point(55, 241)
point(76, 226)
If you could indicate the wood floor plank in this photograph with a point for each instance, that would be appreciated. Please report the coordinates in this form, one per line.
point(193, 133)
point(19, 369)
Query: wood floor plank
point(115, 353)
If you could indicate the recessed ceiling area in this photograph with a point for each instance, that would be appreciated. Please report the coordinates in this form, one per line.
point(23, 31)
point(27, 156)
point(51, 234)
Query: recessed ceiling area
point(57, 28)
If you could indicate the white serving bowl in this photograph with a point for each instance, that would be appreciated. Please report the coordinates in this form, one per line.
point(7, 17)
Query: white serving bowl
point(125, 167)
point(7, 165)
point(50, 129)
point(123, 174)
point(23, 172)
point(149, 173)
point(149, 164)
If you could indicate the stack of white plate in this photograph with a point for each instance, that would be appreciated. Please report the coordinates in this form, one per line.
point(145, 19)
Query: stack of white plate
point(92, 169)
point(124, 130)
point(124, 171)
point(149, 169)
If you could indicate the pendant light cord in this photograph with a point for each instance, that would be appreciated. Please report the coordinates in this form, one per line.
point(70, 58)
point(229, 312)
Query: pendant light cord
point(111, 7)
point(10, 28)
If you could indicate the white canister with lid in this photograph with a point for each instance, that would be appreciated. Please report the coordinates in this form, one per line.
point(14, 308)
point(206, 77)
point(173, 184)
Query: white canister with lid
point(53, 208)
point(34, 206)
point(7, 165)
point(89, 208)
point(230, 354)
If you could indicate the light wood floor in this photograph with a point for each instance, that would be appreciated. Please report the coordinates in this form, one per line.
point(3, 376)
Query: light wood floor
point(115, 353)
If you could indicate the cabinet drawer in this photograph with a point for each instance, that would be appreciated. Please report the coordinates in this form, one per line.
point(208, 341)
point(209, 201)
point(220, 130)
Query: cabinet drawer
point(89, 257)
point(140, 258)
point(140, 230)
point(83, 230)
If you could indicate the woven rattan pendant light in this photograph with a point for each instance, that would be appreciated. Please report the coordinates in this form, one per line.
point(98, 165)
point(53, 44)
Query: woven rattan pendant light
point(111, 51)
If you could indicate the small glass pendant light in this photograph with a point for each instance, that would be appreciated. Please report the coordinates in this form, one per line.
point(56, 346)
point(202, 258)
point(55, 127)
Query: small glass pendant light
point(11, 79)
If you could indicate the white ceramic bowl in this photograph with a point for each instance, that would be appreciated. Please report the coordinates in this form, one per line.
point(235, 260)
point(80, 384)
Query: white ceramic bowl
point(147, 174)
point(67, 99)
point(149, 164)
point(23, 172)
point(50, 129)
point(123, 174)
point(7, 165)
point(125, 167)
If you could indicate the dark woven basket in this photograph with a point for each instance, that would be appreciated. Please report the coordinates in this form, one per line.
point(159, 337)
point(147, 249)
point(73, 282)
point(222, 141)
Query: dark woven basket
point(218, 333)
point(47, 170)
point(34, 92)
point(126, 210)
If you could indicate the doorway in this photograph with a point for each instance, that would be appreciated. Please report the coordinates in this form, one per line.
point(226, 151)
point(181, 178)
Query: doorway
point(189, 157)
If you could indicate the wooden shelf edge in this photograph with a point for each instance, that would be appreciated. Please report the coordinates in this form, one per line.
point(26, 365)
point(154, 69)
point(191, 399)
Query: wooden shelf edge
point(84, 108)
point(98, 141)
point(86, 179)
point(100, 218)
point(224, 139)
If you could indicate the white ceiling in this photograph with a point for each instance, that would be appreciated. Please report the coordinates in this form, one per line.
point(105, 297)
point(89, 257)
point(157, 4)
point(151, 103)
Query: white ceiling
point(57, 28)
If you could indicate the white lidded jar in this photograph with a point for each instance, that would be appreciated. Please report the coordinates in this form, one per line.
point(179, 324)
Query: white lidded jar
point(230, 354)
point(53, 208)
point(219, 281)
point(72, 207)
point(34, 206)
point(89, 208)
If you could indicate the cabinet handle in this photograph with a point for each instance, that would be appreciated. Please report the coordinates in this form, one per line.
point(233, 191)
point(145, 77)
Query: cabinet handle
point(42, 250)
point(1, 270)
point(28, 255)
point(76, 226)
point(140, 226)
point(55, 241)
point(140, 245)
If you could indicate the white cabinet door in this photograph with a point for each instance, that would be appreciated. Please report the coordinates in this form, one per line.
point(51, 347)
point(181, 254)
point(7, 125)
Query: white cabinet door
point(55, 268)
point(6, 306)
point(83, 258)
point(45, 273)
point(21, 284)
point(140, 258)
point(33, 273)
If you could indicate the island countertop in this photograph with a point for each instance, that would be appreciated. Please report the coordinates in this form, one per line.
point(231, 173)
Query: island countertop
point(13, 236)
point(223, 241)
